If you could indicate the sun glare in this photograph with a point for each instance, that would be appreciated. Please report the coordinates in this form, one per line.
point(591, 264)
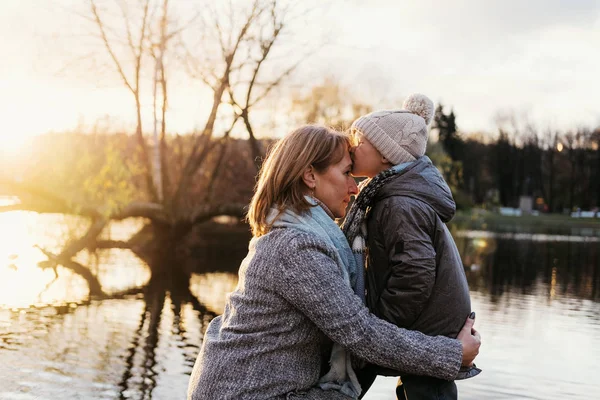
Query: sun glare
point(21, 280)
point(13, 140)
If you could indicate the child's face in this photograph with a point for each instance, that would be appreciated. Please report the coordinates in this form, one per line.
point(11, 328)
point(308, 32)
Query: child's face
point(368, 161)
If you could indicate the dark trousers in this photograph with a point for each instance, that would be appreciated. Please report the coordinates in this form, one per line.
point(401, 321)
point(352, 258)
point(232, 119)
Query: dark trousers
point(411, 387)
point(366, 376)
point(427, 388)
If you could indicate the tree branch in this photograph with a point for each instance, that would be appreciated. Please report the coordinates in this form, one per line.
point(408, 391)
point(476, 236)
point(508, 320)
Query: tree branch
point(112, 244)
point(153, 211)
point(195, 161)
point(109, 47)
point(92, 281)
point(85, 241)
point(205, 212)
point(224, 141)
point(127, 22)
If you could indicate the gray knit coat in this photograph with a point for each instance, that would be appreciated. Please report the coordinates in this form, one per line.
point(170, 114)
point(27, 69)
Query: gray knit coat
point(275, 335)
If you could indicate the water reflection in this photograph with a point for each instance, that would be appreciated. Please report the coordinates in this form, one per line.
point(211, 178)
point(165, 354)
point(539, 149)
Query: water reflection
point(23, 283)
point(130, 346)
point(536, 299)
point(498, 265)
point(137, 347)
point(213, 288)
point(537, 307)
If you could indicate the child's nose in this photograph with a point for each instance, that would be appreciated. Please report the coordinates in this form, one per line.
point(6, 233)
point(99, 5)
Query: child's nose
point(353, 187)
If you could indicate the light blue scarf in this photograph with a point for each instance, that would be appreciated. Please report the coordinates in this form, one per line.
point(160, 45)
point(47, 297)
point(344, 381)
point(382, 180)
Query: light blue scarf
point(341, 376)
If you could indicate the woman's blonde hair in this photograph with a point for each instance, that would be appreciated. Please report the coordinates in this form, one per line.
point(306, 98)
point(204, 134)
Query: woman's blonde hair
point(280, 181)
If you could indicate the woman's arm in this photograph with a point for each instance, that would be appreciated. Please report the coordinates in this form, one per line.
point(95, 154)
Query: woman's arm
point(311, 282)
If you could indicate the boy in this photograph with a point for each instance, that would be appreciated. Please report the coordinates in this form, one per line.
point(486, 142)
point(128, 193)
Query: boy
point(414, 274)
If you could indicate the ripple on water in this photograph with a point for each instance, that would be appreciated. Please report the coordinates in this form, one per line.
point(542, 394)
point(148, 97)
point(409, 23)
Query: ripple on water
point(80, 353)
point(536, 299)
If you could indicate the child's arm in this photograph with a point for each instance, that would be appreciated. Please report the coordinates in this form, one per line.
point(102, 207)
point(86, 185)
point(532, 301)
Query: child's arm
point(405, 225)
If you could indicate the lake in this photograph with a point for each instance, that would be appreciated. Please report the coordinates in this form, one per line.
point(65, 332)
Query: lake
point(536, 296)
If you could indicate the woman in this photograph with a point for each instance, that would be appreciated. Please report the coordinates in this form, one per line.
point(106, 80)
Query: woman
point(295, 299)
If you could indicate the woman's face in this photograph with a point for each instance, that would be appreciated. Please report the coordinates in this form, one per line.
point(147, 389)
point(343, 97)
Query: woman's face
point(368, 161)
point(335, 186)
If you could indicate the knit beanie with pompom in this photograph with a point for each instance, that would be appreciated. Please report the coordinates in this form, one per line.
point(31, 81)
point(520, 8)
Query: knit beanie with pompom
point(399, 135)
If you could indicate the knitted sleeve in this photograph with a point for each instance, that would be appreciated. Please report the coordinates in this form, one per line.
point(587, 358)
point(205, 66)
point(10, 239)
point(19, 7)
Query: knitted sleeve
point(311, 282)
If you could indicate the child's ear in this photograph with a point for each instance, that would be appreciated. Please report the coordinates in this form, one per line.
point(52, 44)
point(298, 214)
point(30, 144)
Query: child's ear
point(385, 160)
point(308, 176)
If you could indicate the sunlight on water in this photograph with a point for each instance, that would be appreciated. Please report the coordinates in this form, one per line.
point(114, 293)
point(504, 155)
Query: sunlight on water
point(108, 349)
point(80, 350)
point(23, 283)
point(119, 269)
point(537, 299)
point(212, 289)
point(532, 349)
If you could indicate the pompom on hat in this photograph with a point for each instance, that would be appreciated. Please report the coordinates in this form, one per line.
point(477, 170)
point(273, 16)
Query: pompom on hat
point(399, 135)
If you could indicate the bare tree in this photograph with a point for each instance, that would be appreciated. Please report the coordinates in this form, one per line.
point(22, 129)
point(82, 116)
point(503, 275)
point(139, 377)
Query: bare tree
point(552, 144)
point(151, 35)
point(256, 90)
point(221, 80)
point(136, 47)
point(328, 103)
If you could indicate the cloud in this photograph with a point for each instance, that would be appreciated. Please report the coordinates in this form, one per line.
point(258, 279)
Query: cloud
point(480, 56)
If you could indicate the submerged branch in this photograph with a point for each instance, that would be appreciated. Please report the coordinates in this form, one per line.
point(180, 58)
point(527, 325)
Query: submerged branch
point(205, 212)
point(92, 281)
point(85, 241)
point(153, 211)
point(112, 244)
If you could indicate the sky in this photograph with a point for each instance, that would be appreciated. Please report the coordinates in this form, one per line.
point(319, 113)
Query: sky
point(537, 59)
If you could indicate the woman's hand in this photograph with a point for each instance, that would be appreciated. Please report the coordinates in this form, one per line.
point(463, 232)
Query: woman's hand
point(470, 340)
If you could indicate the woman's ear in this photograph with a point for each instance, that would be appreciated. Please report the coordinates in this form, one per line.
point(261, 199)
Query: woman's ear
point(308, 176)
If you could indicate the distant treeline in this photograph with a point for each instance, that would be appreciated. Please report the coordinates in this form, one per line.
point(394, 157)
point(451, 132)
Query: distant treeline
point(105, 168)
point(559, 170)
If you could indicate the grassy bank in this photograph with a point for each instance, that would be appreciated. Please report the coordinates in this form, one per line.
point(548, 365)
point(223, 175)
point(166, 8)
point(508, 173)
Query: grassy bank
point(546, 223)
